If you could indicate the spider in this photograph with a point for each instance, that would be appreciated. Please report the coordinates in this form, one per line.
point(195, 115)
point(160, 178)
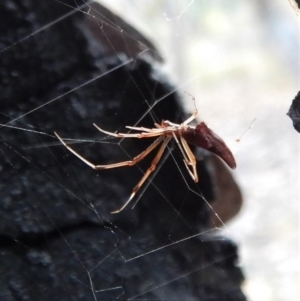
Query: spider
point(200, 135)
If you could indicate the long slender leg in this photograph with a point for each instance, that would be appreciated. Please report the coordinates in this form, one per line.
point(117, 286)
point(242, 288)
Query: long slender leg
point(123, 135)
point(186, 159)
point(161, 130)
point(142, 129)
point(191, 159)
point(194, 115)
point(135, 160)
point(180, 147)
point(147, 173)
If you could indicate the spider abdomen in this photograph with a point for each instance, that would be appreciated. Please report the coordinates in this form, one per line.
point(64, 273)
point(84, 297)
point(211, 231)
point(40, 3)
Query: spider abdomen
point(202, 136)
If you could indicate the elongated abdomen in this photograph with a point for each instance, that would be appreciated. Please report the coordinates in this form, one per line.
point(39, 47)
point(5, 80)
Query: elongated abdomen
point(202, 136)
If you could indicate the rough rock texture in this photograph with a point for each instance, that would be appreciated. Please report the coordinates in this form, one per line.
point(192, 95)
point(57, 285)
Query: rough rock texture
point(63, 70)
point(294, 112)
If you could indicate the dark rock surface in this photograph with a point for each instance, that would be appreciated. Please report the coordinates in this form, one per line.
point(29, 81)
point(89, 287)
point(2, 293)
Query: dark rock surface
point(58, 240)
point(294, 112)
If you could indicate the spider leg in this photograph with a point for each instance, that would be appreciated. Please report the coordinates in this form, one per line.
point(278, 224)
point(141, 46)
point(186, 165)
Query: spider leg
point(191, 160)
point(180, 147)
point(188, 157)
point(194, 115)
point(145, 129)
point(117, 135)
point(147, 173)
point(132, 162)
point(123, 135)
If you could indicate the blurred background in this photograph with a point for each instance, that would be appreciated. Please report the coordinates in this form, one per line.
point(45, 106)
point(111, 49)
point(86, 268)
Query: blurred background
point(241, 60)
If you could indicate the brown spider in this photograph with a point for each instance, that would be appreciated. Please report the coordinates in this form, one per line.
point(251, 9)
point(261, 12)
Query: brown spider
point(200, 135)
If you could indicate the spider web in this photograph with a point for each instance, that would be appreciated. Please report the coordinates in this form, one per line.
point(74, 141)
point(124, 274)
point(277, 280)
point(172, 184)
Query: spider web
point(256, 94)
